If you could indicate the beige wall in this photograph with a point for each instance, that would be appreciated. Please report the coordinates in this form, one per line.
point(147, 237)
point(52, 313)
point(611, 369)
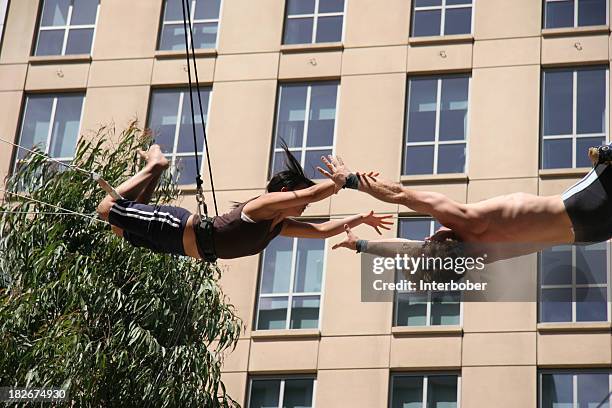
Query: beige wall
point(499, 347)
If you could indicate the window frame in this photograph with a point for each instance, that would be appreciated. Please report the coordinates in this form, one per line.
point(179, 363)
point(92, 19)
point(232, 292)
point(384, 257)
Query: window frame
point(281, 392)
point(290, 295)
point(425, 375)
point(53, 112)
point(573, 286)
point(192, 10)
point(436, 142)
point(303, 148)
point(576, 8)
point(574, 373)
point(574, 136)
point(4, 10)
point(315, 16)
point(442, 7)
point(172, 157)
point(432, 228)
point(66, 28)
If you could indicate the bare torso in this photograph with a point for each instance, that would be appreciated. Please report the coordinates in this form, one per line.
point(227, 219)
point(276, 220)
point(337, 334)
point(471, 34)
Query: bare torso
point(531, 222)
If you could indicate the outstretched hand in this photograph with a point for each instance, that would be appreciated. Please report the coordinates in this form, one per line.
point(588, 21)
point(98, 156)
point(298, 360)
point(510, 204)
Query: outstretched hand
point(338, 171)
point(377, 221)
point(349, 242)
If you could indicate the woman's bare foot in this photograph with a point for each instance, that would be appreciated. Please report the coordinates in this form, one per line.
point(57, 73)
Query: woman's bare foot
point(154, 157)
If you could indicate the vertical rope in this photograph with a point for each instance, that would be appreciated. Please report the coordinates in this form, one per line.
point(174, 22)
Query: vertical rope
point(195, 69)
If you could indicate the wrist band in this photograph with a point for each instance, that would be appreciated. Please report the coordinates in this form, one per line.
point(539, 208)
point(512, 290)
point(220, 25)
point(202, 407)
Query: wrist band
point(352, 181)
point(361, 245)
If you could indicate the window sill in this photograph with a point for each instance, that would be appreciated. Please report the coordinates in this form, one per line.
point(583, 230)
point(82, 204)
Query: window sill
point(580, 327)
point(173, 54)
point(286, 334)
point(297, 48)
point(405, 331)
point(57, 59)
point(441, 39)
point(563, 173)
point(571, 31)
point(435, 178)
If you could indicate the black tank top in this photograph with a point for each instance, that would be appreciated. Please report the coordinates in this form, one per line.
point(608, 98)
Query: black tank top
point(235, 238)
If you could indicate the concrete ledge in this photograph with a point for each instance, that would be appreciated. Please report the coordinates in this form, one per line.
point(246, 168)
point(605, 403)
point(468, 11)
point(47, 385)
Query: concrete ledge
point(172, 54)
point(407, 331)
point(572, 31)
point(578, 327)
point(59, 59)
point(441, 39)
point(563, 173)
point(288, 334)
point(435, 178)
point(297, 48)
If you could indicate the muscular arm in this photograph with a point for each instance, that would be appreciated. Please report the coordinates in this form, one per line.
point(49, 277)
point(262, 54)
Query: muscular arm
point(450, 213)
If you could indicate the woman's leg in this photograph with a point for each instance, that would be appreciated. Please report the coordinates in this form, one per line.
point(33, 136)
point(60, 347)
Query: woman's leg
point(163, 229)
point(140, 187)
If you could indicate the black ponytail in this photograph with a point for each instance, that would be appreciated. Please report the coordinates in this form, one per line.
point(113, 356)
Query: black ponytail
point(293, 177)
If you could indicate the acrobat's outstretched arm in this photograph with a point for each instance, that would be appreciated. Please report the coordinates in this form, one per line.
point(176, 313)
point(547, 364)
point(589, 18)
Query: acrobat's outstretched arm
point(301, 229)
point(450, 213)
point(380, 247)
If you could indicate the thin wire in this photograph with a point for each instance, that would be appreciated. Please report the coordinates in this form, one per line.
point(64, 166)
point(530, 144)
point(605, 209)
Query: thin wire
point(46, 157)
point(606, 398)
point(51, 205)
point(195, 70)
point(35, 212)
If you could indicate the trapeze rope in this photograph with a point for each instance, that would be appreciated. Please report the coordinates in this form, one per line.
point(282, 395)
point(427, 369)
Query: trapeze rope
point(199, 182)
point(95, 176)
point(51, 205)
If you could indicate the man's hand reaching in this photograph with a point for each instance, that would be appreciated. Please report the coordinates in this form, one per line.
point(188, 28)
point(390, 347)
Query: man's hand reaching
point(338, 171)
point(349, 242)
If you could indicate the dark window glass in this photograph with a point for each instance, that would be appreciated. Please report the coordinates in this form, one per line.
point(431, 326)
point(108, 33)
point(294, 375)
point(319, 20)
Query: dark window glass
point(591, 12)
point(559, 14)
point(458, 21)
point(298, 30)
point(329, 29)
point(426, 23)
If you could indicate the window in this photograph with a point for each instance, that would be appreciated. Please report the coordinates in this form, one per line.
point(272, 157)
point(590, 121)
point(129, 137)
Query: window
point(51, 123)
point(290, 284)
point(574, 283)
point(425, 308)
point(441, 17)
point(174, 135)
point(313, 21)
point(3, 13)
point(436, 125)
point(435, 390)
point(575, 389)
point(205, 16)
point(67, 27)
point(574, 115)
point(306, 120)
point(289, 392)
point(575, 13)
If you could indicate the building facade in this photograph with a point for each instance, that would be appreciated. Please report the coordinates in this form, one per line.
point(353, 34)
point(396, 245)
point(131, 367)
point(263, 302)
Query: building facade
point(470, 98)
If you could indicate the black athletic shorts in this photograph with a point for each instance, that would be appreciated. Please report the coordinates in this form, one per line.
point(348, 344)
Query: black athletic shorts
point(156, 227)
point(589, 206)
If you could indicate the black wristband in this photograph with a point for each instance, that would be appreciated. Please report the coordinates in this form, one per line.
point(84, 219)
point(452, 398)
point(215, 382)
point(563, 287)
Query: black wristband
point(352, 181)
point(361, 245)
